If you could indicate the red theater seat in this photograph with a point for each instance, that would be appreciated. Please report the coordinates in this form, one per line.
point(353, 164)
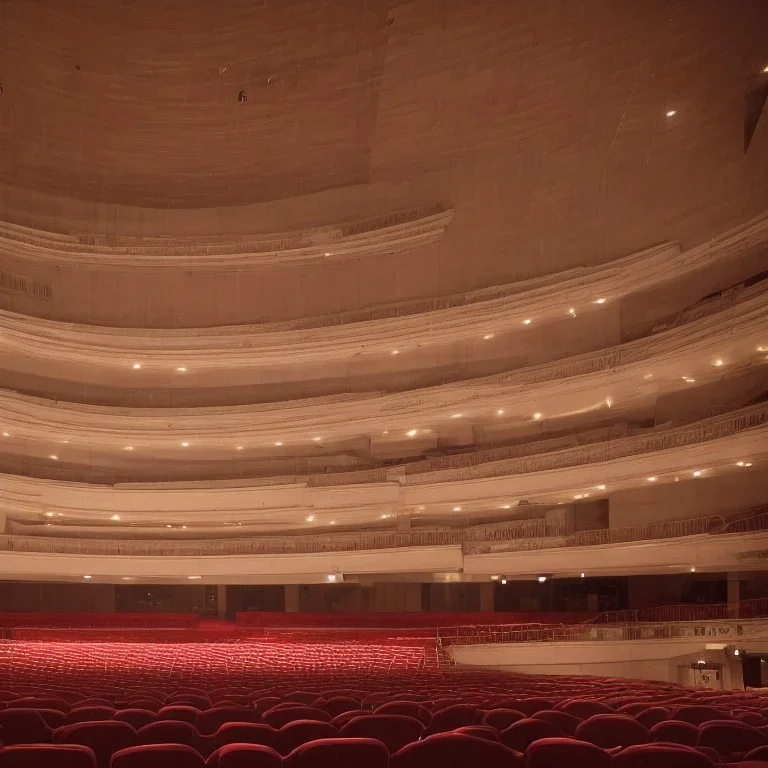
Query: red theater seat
point(339, 753)
point(88, 714)
point(480, 731)
point(299, 732)
point(47, 756)
point(244, 756)
point(340, 704)
point(565, 722)
point(408, 708)
point(277, 718)
point(565, 753)
point(247, 733)
point(452, 717)
point(584, 708)
point(676, 732)
point(614, 730)
point(520, 734)
point(24, 726)
point(731, 737)
point(179, 712)
point(138, 718)
point(502, 718)
point(104, 738)
point(212, 719)
point(453, 750)
point(158, 756)
point(661, 756)
point(394, 731)
point(653, 715)
point(697, 714)
point(172, 732)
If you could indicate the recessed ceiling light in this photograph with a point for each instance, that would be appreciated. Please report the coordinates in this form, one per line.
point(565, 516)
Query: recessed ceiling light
point(395, 352)
point(671, 112)
point(181, 369)
point(127, 578)
point(609, 402)
point(331, 577)
point(719, 363)
point(49, 514)
point(579, 496)
point(488, 336)
point(765, 70)
point(572, 311)
point(494, 578)
point(457, 509)
point(115, 517)
point(136, 366)
point(740, 463)
point(677, 479)
point(693, 569)
point(500, 412)
point(279, 443)
point(506, 506)
point(583, 574)
point(600, 487)
point(456, 415)
point(311, 519)
point(412, 432)
point(748, 464)
point(6, 434)
point(194, 578)
point(599, 301)
point(66, 442)
point(527, 321)
point(697, 473)
point(185, 444)
point(542, 579)
point(87, 577)
point(333, 522)
point(652, 479)
point(648, 376)
point(183, 527)
point(319, 439)
point(53, 457)
point(169, 526)
point(537, 416)
point(762, 349)
point(128, 448)
point(386, 516)
point(503, 581)
point(239, 448)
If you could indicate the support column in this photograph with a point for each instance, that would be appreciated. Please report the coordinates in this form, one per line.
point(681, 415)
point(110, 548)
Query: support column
point(221, 600)
point(487, 597)
point(734, 597)
point(292, 603)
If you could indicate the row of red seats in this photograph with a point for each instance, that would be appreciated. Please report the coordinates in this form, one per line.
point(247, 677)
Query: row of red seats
point(100, 620)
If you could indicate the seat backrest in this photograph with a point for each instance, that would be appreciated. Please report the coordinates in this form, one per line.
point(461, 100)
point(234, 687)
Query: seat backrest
point(394, 731)
point(731, 737)
point(480, 731)
point(452, 717)
point(277, 718)
point(520, 734)
point(565, 753)
point(612, 730)
point(135, 717)
point(299, 732)
point(24, 726)
point(39, 702)
point(339, 704)
point(455, 750)
point(180, 712)
point(170, 732)
point(196, 700)
point(88, 714)
point(45, 755)
point(565, 722)
point(676, 732)
point(158, 756)
point(502, 718)
point(212, 719)
point(653, 715)
point(244, 756)
point(247, 733)
point(661, 756)
point(104, 737)
point(584, 708)
point(696, 714)
point(339, 753)
point(407, 708)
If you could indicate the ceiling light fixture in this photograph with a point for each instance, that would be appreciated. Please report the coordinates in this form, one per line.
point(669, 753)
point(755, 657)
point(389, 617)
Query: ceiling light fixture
point(185, 444)
point(652, 479)
point(457, 509)
point(6, 434)
point(319, 439)
point(671, 112)
point(599, 301)
point(412, 432)
point(748, 464)
point(128, 448)
point(53, 457)
point(194, 578)
point(136, 366)
point(115, 517)
point(239, 448)
point(333, 522)
point(386, 516)
point(572, 312)
point(537, 416)
point(88, 577)
point(456, 415)
point(494, 578)
point(527, 321)
point(181, 369)
point(609, 402)
point(488, 336)
point(693, 569)
point(648, 376)
point(279, 443)
point(331, 577)
point(310, 518)
point(395, 352)
point(542, 579)
point(600, 487)
point(697, 473)
point(500, 412)
point(719, 363)
point(506, 506)
point(503, 582)
point(583, 574)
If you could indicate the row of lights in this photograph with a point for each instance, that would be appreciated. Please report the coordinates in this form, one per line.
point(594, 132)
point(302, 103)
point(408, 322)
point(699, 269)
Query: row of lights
point(699, 472)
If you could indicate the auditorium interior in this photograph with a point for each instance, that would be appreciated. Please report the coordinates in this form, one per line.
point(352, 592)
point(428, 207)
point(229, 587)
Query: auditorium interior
point(383, 383)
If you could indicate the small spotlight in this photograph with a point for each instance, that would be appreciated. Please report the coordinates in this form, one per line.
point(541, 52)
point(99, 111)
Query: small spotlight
point(503, 582)
point(500, 412)
point(671, 112)
point(311, 519)
point(279, 443)
point(697, 473)
point(128, 448)
point(693, 569)
point(87, 578)
point(136, 366)
point(115, 517)
point(457, 509)
point(542, 579)
point(652, 479)
point(395, 352)
point(537, 416)
point(527, 321)
point(600, 301)
point(239, 448)
point(331, 577)
point(719, 363)
point(494, 578)
point(181, 369)
point(488, 336)
point(736, 651)
point(456, 415)
point(194, 578)
point(583, 574)
point(600, 487)
point(53, 457)
point(412, 432)
point(317, 439)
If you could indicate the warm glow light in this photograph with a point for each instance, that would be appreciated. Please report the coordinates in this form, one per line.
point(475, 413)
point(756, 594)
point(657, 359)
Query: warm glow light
point(333, 522)
point(762, 349)
point(278, 443)
point(652, 479)
point(718, 363)
point(136, 366)
point(239, 448)
point(181, 369)
point(583, 574)
point(395, 352)
point(736, 652)
point(412, 432)
point(503, 581)
point(494, 578)
point(319, 439)
point(385, 516)
point(609, 402)
point(740, 463)
point(537, 416)
point(527, 321)
point(571, 311)
point(748, 464)
point(53, 457)
point(128, 448)
point(600, 301)
point(488, 336)
point(6, 434)
point(600, 487)
point(115, 517)
point(693, 570)
point(185, 444)
point(542, 579)
point(456, 415)
point(457, 509)
point(331, 577)
point(765, 69)
point(311, 519)
point(671, 112)
point(49, 514)
point(697, 473)
point(500, 412)
point(648, 376)
point(506, 506)
point(87, 577)
point(194, 578)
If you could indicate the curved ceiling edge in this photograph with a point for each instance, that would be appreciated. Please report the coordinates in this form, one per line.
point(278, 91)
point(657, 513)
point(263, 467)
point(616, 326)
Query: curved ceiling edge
point(456, 318)
point(707, 447)
point(726, 341)
point(370, 237)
